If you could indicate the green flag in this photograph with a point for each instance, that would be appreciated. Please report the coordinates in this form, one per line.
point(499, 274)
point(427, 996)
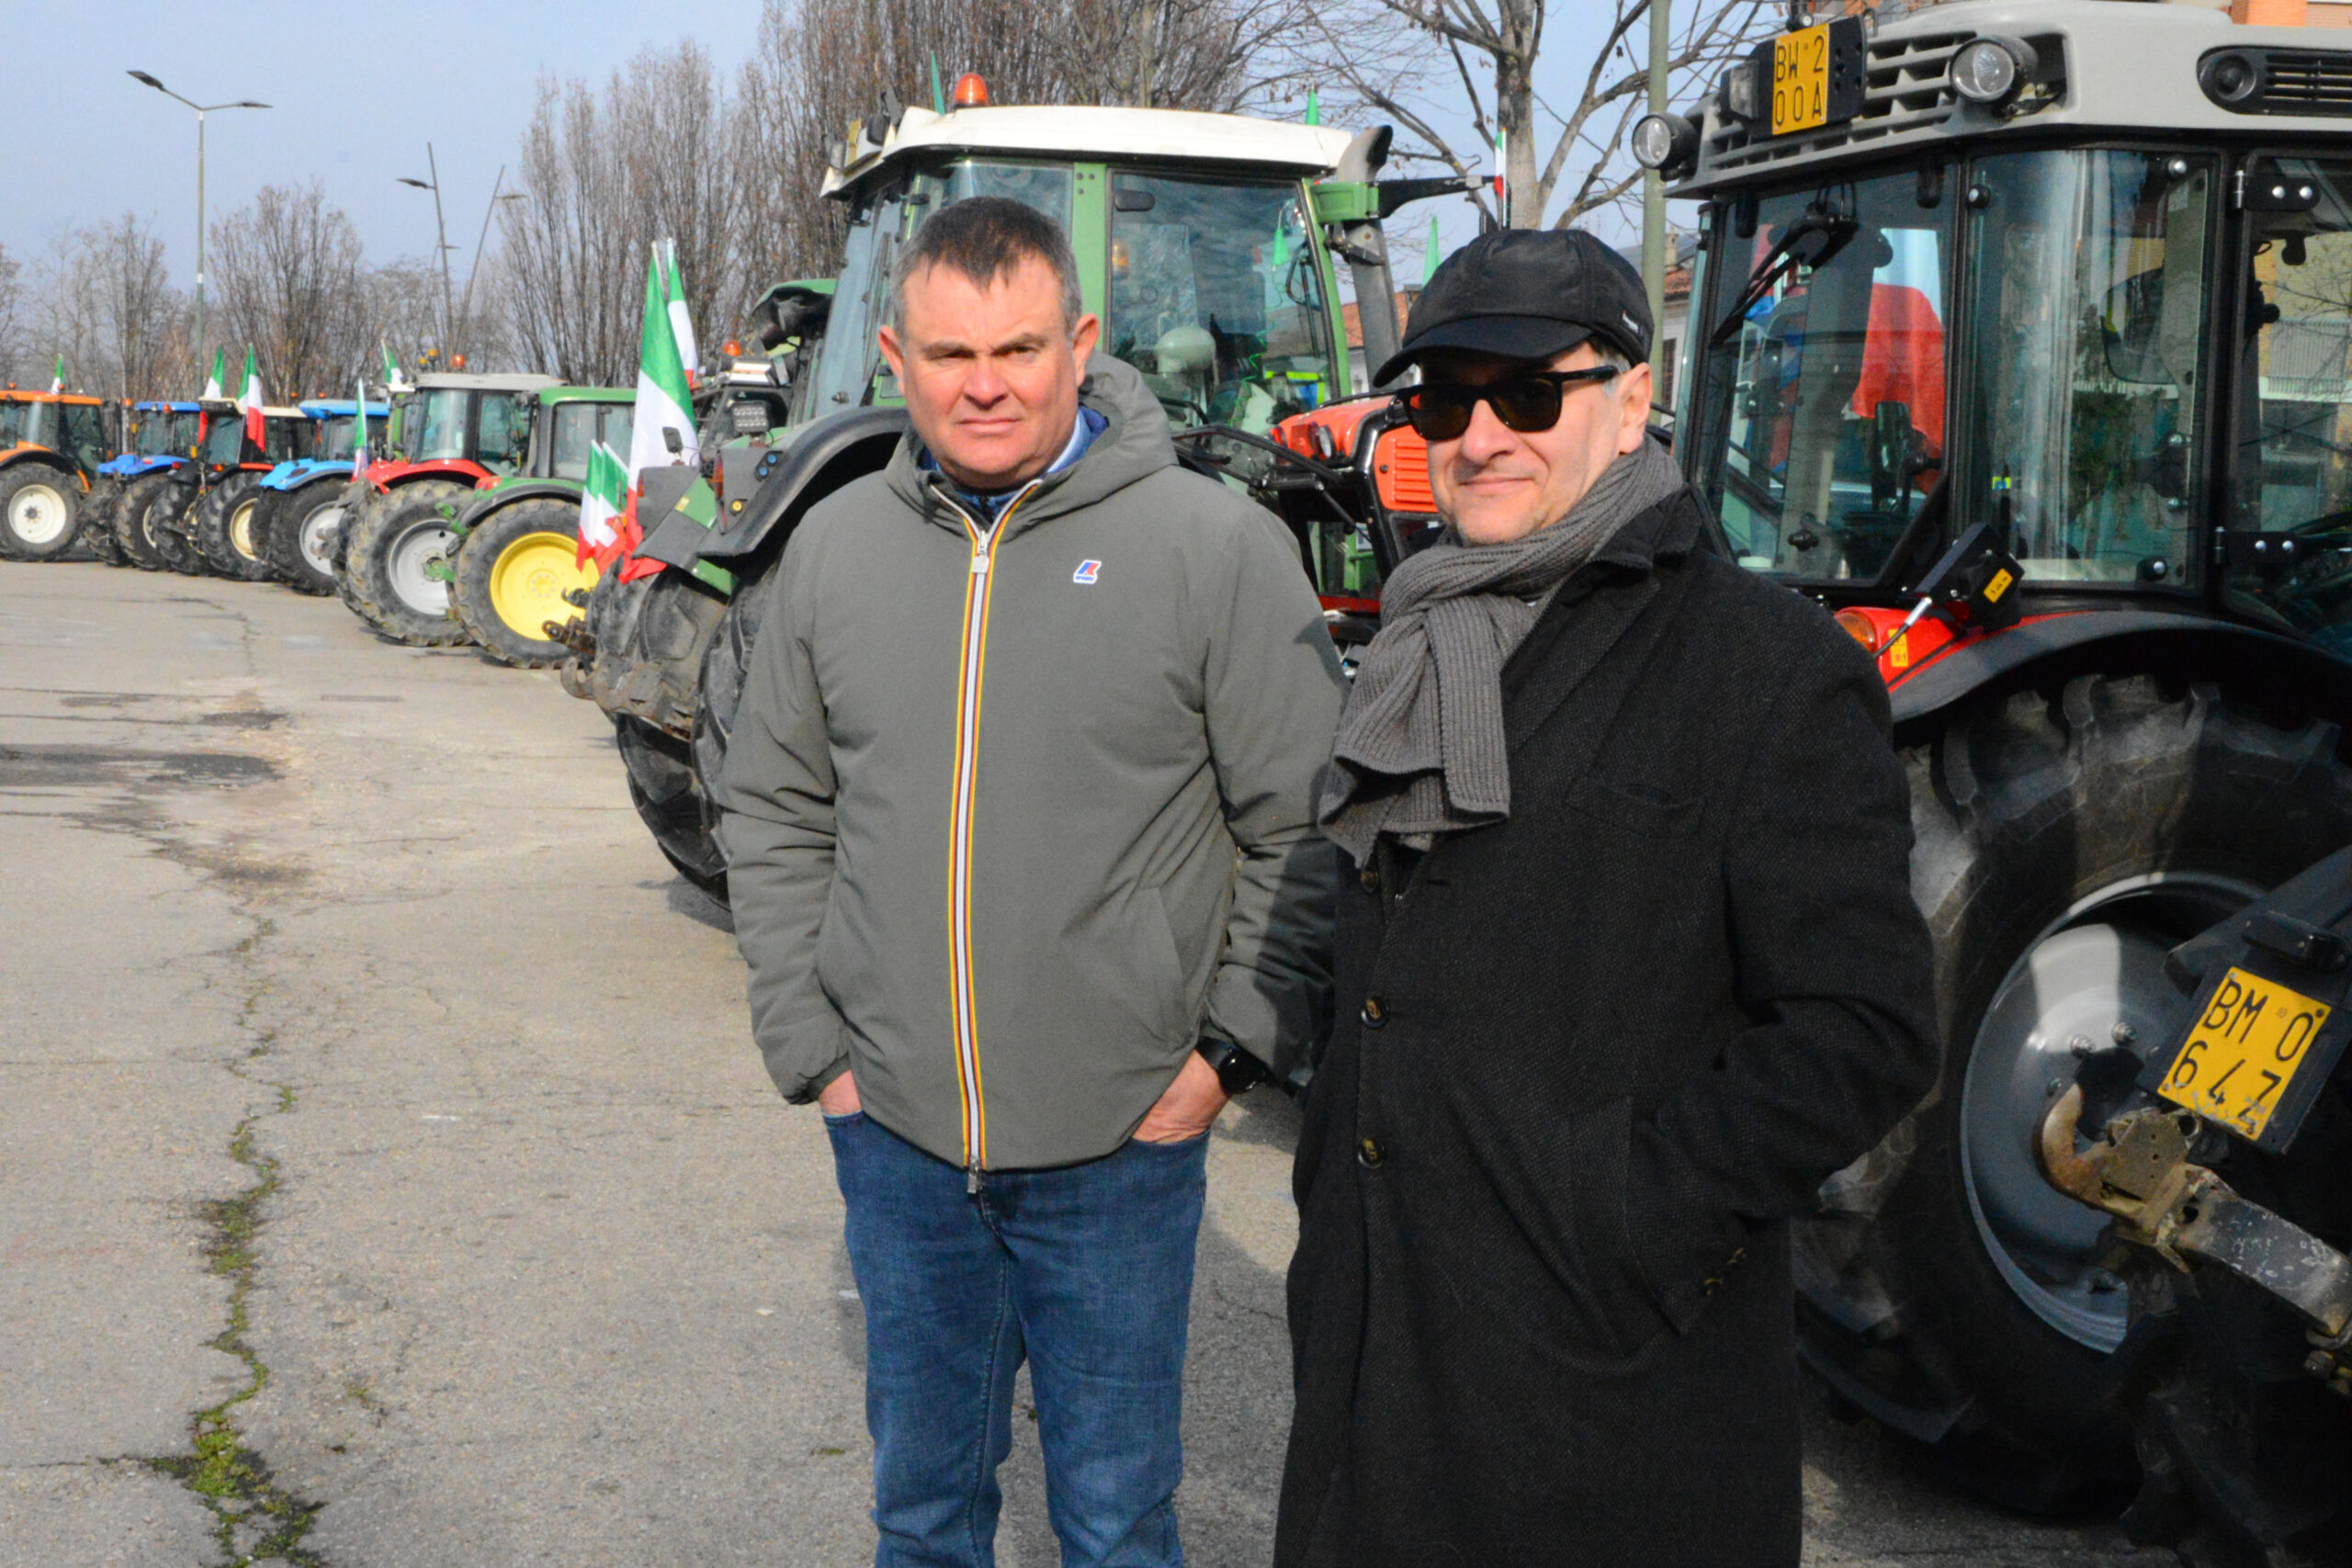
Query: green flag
point(664, 396)
point(1314, 109)
point(1429, 257)
point(57, 381)
point(938, 93)
point(219, 373)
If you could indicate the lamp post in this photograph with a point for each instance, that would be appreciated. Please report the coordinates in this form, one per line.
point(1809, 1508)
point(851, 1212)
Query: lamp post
point(441, 242)
point(1654, 236)
point(465, 300)
point(201, 110)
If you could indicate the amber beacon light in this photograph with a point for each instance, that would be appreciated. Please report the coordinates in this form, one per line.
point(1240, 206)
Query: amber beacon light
point(971, 92)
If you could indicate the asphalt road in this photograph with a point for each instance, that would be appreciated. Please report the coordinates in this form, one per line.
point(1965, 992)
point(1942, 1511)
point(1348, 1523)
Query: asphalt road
point(387, 1178)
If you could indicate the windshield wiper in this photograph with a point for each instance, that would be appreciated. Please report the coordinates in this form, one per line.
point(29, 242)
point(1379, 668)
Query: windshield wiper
point(1811, 242)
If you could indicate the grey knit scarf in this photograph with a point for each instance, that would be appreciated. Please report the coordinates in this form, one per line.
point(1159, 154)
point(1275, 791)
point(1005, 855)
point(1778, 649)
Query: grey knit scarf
point(1420, 747)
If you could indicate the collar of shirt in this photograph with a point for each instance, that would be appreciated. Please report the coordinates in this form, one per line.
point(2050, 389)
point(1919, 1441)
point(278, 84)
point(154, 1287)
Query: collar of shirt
point(1083, 430)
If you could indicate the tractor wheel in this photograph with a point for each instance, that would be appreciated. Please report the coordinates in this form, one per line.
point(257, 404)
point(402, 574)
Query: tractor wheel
point(662, 786)
point(2063, 846)
point(513, 572)
point(39, 512)
point(720, 690)
point(223, 527)
point(389, 552)
point(299, 534)
point(168, 527)
point(98, 508)
point(131, 535)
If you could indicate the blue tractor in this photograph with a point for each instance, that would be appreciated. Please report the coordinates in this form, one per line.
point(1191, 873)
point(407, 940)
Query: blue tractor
point(157, 439)
point(301, 503)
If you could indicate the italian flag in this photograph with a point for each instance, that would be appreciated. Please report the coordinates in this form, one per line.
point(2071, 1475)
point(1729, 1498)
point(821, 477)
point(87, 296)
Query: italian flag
point(664, 404)
point(360, 435)
point(212, 382)
point(602, 499)
point(393, 382)
point(57, 381)
point(249, 400)
point(681, 326)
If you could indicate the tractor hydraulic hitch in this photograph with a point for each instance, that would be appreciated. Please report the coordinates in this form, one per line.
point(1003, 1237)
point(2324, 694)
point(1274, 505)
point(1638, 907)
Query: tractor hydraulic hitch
point(2139, 1171)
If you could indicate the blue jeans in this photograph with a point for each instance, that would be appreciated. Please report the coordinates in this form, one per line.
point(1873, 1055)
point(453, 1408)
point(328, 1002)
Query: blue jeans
point(1085, 1271)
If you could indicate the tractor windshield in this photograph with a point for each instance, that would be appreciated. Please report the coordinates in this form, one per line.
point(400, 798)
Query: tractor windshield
point(2290, 506)
point(35, 423)
point(186, 429)
point(433, 426)
point(1217, 296)
point(224, 439)
point(12, 422)
point(335, 437)
point(2087, 311)
point(1827, 378)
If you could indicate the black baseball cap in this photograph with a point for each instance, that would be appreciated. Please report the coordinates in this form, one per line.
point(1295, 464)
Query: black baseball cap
point(1528, 294)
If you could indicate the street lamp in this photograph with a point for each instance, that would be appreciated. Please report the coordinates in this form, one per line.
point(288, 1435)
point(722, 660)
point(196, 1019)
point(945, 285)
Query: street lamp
point(201, 110)
point(441, 242)
point(465, 300)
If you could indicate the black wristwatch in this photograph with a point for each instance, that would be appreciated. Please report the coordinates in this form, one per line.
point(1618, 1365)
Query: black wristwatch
point(1237, 1072)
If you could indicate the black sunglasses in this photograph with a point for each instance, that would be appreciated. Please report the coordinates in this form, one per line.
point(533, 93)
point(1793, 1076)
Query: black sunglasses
point(1527, 403)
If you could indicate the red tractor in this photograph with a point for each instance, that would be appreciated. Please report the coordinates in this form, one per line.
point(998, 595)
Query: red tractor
point(196, 517)
point(454, 432)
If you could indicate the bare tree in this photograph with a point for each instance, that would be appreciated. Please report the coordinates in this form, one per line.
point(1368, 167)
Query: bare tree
point(1388, 54)
point(11, 317)
point(575, 250)
point(291, 270)
point(141, 314)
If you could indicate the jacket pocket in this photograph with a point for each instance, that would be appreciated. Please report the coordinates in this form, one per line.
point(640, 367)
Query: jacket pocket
point(1638, 808)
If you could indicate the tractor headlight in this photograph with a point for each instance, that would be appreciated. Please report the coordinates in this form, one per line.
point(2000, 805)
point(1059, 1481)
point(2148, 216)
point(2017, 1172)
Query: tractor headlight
point(1667, 142)
point(1989, 69)
point(1737, 92)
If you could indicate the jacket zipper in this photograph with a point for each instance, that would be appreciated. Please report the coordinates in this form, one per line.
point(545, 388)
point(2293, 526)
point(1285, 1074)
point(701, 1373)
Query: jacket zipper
point(963, 1010)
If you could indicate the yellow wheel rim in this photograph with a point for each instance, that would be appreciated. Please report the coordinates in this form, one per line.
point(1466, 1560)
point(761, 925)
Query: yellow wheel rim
point(528, 581)
point(241, 531)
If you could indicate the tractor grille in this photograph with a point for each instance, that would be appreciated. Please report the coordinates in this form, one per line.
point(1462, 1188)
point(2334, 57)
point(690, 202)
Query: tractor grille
point(2304, 81)
point(1401, 468)
point(1906, 87)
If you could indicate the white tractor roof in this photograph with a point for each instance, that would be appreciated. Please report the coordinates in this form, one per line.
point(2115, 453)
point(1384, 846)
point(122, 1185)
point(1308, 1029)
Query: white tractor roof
point(1107, 134)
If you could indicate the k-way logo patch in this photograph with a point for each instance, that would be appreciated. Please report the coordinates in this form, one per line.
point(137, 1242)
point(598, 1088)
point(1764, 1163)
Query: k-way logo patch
point(1088, 570)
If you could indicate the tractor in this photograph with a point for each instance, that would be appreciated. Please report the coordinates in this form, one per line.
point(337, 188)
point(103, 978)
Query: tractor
point(514, 544)
point(2021, 344)
point(299, 504)
point(157, 436)
point(196, 517)
point(1207, 244)
point(51, 446)
point(457, 431)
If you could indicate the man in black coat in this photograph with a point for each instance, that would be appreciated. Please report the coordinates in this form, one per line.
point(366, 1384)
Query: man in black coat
point(1628, 965)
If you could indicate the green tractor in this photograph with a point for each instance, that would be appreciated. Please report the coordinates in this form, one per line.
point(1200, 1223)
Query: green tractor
point(1207, 244)
point(514, 548)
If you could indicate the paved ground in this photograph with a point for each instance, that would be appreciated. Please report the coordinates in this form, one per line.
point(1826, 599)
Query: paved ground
point(386, 1178)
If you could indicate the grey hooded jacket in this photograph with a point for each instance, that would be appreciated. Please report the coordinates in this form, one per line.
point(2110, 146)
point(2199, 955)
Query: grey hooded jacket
point(1013, 815)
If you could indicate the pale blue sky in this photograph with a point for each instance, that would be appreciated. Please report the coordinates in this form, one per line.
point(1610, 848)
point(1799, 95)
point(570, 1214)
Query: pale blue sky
point(357, 90)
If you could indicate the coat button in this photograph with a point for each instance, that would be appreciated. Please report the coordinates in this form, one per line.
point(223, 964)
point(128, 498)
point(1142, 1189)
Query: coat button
point(1369, 1153)
point(1370, 877)
point(1373, 1014)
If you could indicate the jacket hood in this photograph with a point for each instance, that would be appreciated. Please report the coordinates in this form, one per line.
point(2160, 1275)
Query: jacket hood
point(1136, 443)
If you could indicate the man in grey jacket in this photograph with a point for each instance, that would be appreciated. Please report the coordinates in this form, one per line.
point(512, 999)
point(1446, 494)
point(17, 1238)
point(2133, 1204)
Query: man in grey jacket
point(1017, 814)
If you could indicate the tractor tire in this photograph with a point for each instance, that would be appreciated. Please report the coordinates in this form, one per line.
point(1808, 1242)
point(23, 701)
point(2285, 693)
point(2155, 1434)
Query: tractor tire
point(223, 528)
point(98, 510)
point(39, 512)
point(300, 531)
point(662, 786)
point(2064, 843)
point(167, 523)
point(513, 571)
point(720, 690)
point(386, 551)
point(130, 531)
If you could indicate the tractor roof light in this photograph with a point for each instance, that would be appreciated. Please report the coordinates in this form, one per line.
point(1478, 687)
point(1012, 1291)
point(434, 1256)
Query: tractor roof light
point(2229, 78)
point(971, 91)
point(1989, 70)
point(1737, 92)
point(1666, 142)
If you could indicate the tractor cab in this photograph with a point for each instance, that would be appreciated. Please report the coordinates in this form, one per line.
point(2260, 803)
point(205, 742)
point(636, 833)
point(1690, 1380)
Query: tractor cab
point(460, 427)
point(155, 436)
point(567, 425)
point(1993, 277)
point(337, 419)
point(1195, 234)
point(287, 435)
point(63, 426)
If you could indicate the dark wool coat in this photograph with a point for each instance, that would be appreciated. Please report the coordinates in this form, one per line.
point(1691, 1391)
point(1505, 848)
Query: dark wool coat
point(1589, 1060)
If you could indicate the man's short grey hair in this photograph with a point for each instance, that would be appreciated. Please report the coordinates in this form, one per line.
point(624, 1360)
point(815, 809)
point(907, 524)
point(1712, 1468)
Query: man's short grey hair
point(1611, 356)
point(986, 238)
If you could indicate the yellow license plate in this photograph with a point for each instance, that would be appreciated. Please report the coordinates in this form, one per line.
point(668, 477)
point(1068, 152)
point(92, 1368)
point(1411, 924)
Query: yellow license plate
point(2243, 1052)
point(1800, 80)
